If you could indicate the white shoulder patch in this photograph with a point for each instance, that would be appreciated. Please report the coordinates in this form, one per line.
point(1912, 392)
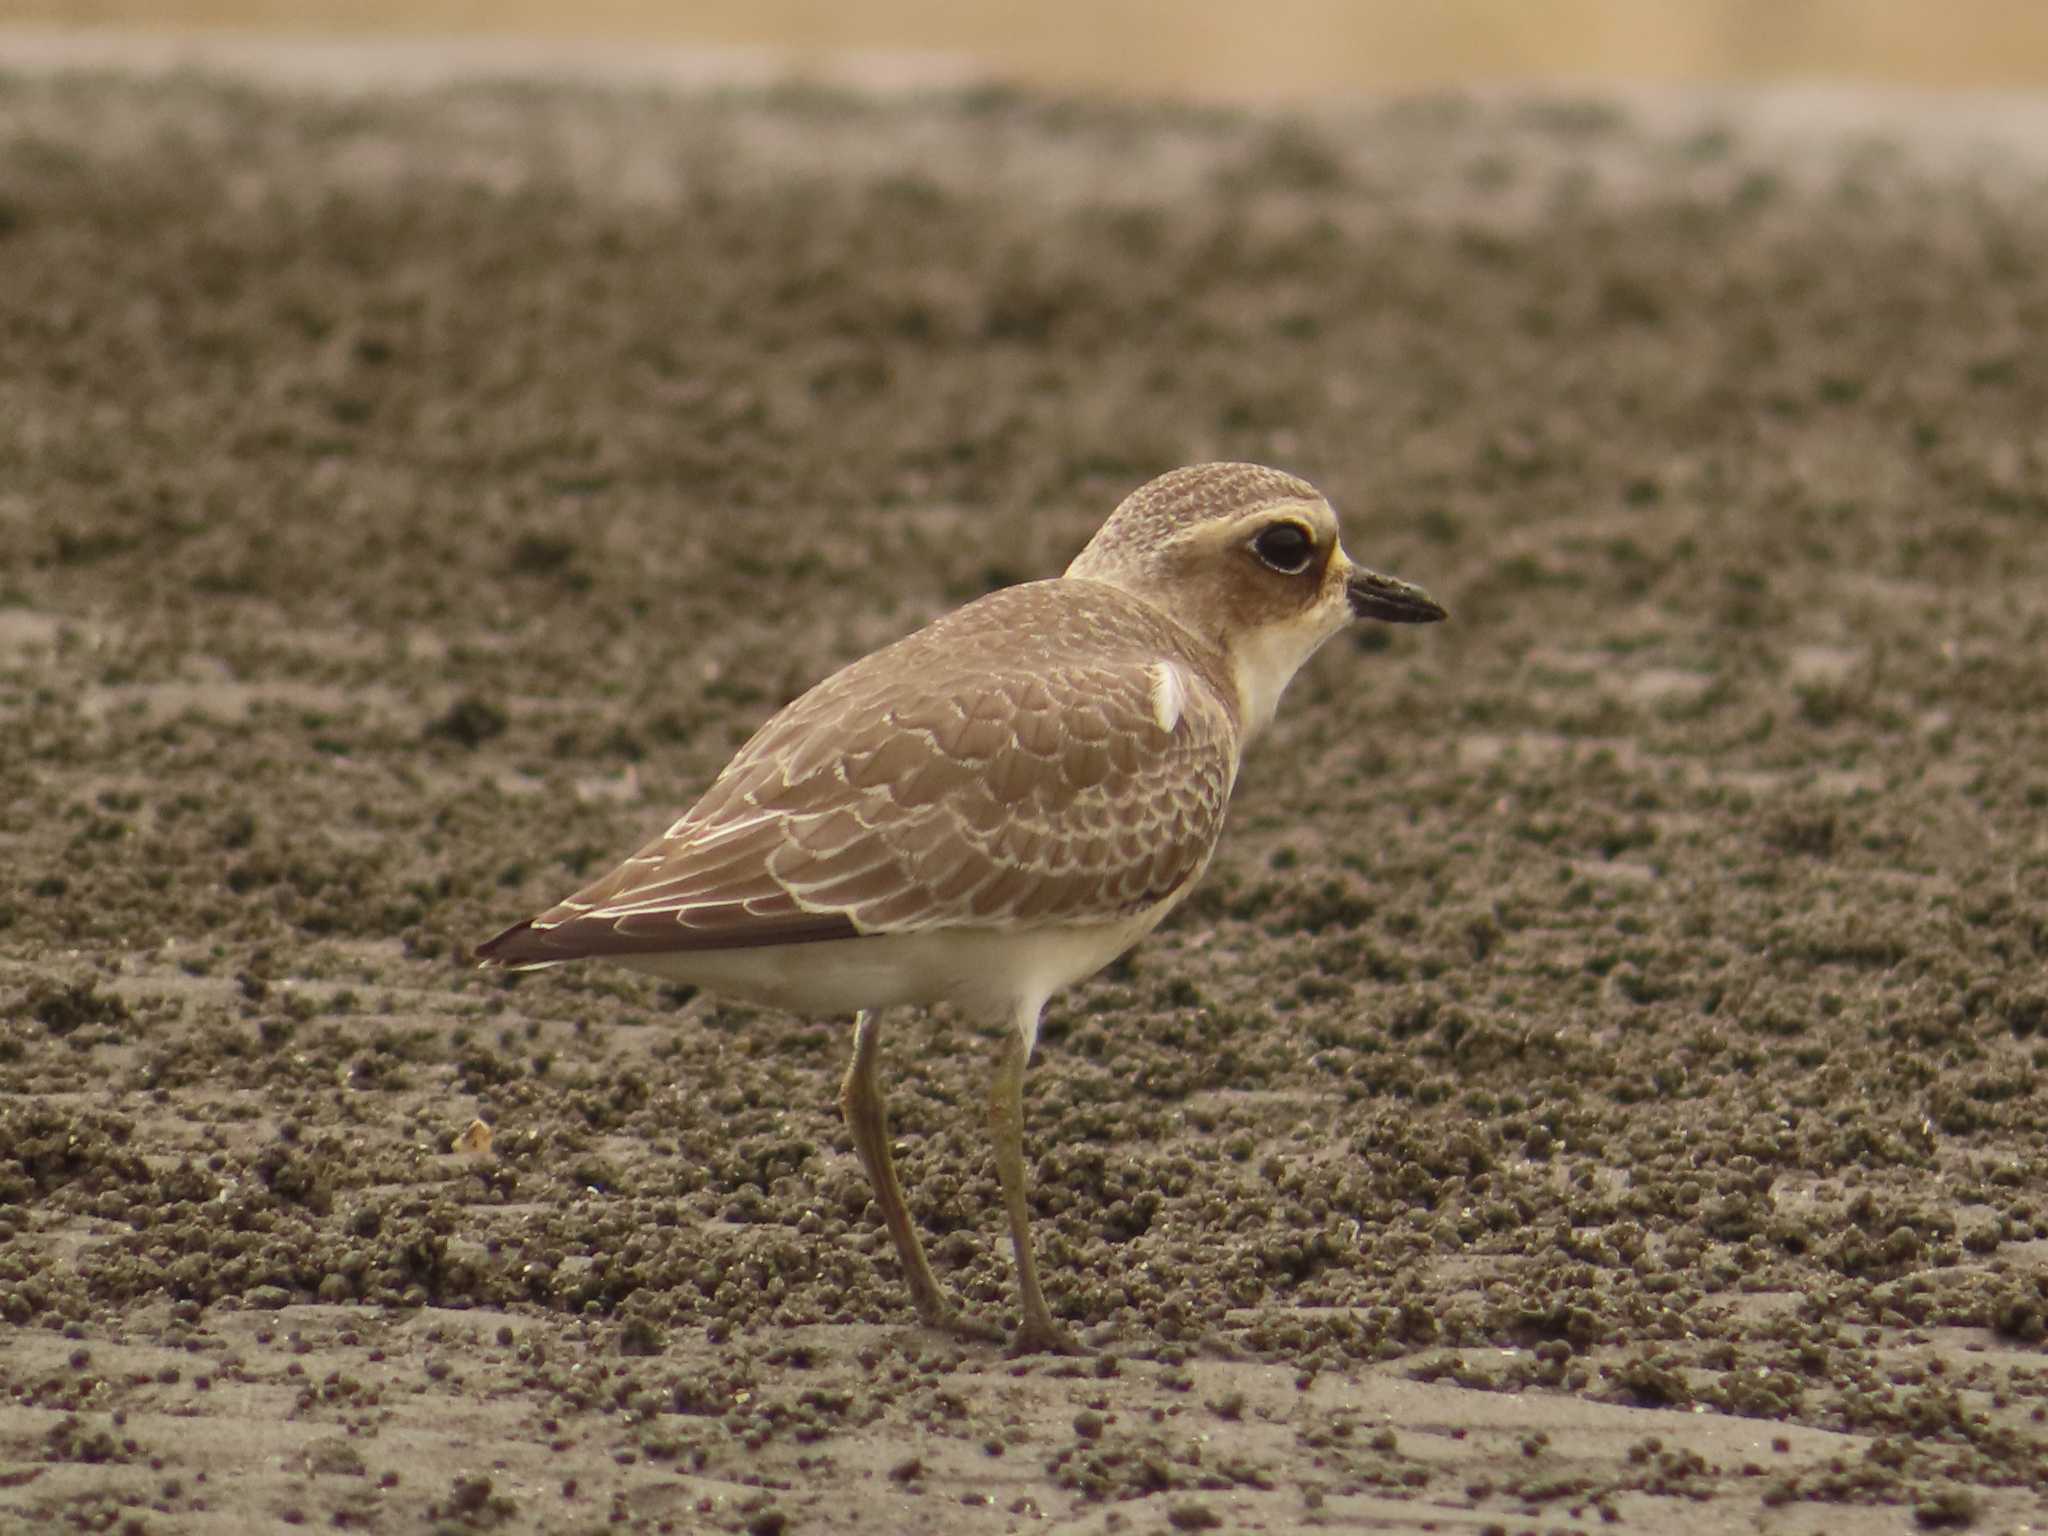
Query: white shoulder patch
point(1169, 695)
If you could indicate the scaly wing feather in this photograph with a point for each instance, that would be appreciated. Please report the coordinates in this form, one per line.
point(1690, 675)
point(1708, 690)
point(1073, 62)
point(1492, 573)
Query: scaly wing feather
point(1023, 767)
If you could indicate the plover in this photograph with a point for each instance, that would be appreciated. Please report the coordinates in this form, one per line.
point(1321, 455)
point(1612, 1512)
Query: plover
point(993, 807)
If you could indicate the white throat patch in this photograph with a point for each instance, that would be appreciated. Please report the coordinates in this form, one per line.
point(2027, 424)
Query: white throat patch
point(1264, 662)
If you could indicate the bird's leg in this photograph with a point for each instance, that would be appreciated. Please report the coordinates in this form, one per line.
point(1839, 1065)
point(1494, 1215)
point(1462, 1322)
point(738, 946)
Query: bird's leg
point(860, 1101)
point(1039, 1334)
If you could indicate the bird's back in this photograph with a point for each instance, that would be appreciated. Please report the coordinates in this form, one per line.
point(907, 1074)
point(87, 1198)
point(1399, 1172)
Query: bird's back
point(1054, 754)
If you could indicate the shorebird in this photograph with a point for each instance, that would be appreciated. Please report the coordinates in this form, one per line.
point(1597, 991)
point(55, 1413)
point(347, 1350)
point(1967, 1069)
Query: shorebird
point(993, 807)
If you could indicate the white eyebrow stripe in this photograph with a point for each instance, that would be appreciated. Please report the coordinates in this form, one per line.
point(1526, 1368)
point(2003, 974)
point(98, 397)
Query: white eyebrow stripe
point(1169, 695)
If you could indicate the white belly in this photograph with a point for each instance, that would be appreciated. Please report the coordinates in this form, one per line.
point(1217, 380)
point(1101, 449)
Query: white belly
point(990, 972)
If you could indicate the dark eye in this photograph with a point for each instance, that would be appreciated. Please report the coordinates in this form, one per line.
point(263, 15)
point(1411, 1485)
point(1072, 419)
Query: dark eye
point(1286, 547)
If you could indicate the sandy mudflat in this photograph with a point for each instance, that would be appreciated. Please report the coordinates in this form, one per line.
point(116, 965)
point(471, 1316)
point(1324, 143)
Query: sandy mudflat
point(1601, 1080)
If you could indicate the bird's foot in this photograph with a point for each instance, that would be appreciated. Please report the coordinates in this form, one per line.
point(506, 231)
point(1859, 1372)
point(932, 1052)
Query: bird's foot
point(964, 1326)
point(1043, 1336)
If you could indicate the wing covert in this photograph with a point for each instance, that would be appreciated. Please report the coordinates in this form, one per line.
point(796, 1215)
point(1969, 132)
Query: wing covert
point(926, 787)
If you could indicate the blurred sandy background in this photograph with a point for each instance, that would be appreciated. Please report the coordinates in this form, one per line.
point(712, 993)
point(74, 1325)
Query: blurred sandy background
point(1218, 49)
point(1603, 1082)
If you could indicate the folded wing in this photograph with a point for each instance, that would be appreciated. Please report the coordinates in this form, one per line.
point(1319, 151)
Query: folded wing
point(931, 785)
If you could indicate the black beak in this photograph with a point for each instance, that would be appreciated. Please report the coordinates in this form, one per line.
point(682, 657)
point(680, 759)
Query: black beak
point(1392, 601)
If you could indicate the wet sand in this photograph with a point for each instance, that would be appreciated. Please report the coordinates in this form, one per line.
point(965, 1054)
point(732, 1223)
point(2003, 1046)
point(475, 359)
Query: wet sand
point(1599, 1080)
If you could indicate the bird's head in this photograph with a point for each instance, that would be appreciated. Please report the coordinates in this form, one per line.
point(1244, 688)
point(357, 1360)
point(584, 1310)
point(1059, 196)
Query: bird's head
point(1249, 559)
